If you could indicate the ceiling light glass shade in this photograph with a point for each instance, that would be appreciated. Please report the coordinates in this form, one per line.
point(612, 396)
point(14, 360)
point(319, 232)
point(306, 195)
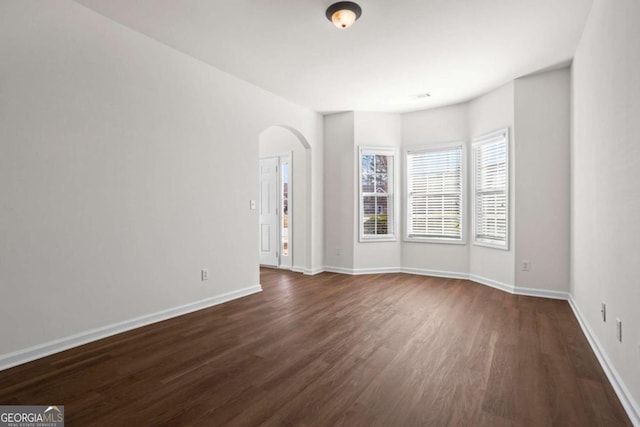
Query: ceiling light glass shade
point(343, 14)
point(343, 18)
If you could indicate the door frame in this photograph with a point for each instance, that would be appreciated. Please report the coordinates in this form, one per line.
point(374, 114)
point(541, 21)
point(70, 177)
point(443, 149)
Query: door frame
point(268, 205)
point(288, 155)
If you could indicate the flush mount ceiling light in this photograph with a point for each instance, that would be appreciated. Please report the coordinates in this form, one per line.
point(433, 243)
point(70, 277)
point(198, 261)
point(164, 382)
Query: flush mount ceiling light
point(343, 14)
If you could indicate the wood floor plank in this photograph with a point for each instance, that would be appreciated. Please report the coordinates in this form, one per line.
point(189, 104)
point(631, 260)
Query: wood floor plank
point(336, 350)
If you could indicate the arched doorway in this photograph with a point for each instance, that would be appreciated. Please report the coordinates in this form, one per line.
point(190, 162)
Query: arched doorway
point(284, 198)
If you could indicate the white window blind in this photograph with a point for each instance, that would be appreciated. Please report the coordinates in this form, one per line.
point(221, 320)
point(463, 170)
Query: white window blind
point(491, 189)
point(376, 194)
point(434, 194)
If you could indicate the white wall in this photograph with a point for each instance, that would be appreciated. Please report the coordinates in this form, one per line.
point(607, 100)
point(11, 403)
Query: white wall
point(428, 127)
point(276, 141)
point(315, 215)
point(125, 168)
point(376, 130)
point(339, 189)
point(536, 111)
point(488, 113)
point(344, 133)
point(542, 124)
point(605, 167)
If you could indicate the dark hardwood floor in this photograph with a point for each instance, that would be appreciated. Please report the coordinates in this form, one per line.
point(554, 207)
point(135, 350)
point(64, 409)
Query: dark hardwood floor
point(377, 350)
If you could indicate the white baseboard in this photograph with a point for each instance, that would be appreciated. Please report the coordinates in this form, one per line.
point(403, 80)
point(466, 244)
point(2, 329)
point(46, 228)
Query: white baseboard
point(407, 270)
point(627, 400)
point(435, 273)
point(307, 271)
point(516, 290)
point(493, 283)
point(314, 271)
point(36, 352)
point(361, 271)
point(339, 270)
point(542, 293)
point(377, 270)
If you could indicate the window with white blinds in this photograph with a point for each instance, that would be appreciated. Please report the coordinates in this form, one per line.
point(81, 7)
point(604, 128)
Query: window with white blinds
point(377, 219)
point(435, 183)
point(491, 189)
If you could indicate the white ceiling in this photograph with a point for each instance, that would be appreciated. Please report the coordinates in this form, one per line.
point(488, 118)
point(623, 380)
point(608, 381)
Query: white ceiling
point(453, 49)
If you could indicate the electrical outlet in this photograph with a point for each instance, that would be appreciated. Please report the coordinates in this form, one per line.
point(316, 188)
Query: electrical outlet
point(204, 274)
point(337, 251)
point(526, 265)
point(603, 311)
point(252, 204)
point(619, 329)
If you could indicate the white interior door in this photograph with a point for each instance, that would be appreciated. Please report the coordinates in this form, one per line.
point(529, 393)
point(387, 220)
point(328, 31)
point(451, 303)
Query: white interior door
point(268, 212)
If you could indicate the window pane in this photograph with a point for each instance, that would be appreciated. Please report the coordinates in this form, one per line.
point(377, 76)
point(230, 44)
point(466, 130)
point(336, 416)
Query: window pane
point(368, 164)
point(376, 188)
point(369, 205)
point(381, 225)
point(381, 205)
point(285, 209)
point(375, 215)
point(434, 193)
point(369, 225)
point(382, 183)
point(381, 164)
point(368, 182)
point(491, 190)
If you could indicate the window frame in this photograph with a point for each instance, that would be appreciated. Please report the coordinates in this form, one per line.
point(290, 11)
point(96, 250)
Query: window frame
point(443, 146)
point(490, 138)
point(391, 236)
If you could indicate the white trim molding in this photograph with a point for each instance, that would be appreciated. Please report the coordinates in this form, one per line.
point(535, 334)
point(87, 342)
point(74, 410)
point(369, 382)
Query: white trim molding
point(307, 271)
point(391, 195)
point(339, 270)
point(542, 293)
point(425, 150)
point(516, 290)
point(493, 283)
point(406, 270)
point(376, 270)
point(435, 273)
point(313, 271)
point(361, 271)
point(496, 137)
point(626, 399)
point(531, 292)
point(19, 357)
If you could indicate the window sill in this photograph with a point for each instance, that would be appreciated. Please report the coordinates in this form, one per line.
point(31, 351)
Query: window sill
point(377, 239)
point(489, 245)
point(434, 240)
